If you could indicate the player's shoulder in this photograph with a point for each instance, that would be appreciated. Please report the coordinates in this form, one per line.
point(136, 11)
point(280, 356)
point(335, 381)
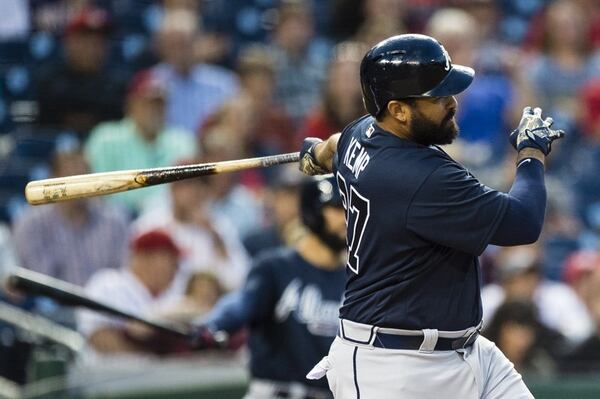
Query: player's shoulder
point(274, 258)
point(359, 124)
point(354, 128)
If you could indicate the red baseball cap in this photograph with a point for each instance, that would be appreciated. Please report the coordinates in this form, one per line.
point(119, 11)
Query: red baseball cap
point(89, 20)
point(153, 240)
point(590, 97)
point(579, 264)
point(146, 84)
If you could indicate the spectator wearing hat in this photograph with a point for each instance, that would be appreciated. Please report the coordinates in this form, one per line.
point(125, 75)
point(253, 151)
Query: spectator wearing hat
point(138, 288)
point(140, 140)
point(70, 240)
point(209, 242)
point(578, 269)
point(519, 279)
point(81, 89)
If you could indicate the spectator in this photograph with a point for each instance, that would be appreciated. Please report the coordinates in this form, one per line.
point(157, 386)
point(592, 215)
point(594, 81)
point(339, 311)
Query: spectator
point(202, 292)
point(283, 225)
point(578, 272)
point(565, 63)
point(486, 106)
point(300, 59)
point(81, 90)
point(208, 242)
point(525, 341)
point(341, 101)
point(252, 123)
point(273, 130)
point(70, 240)
point(232, 201)
point(585, 358)
point(137, 288)
point(519, 279)
point(195, 90)
point(140, 140)
point(382, 19)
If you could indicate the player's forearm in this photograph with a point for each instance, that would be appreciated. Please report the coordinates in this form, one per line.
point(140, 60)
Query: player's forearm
point(231, 314)
point(325, 151)
point(524, 217)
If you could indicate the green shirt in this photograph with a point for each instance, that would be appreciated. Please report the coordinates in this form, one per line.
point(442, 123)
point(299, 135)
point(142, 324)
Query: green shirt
point(117, 145)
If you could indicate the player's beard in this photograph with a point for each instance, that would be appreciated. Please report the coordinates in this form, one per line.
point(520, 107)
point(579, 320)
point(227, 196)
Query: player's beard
point(426, 132)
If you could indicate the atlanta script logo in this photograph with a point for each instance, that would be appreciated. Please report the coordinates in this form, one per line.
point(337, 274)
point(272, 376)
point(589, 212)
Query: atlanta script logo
point(307, 306)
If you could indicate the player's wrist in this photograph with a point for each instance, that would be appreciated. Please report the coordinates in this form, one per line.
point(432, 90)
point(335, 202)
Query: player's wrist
point(533, 153)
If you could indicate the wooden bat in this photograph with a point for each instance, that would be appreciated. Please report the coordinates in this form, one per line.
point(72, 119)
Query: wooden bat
point(71, 295)
point(94, 184)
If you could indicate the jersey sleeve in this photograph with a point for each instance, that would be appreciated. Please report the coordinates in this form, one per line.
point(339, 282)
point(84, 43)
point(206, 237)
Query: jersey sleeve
point(453, 209)
point(345, 136)
point(255, 302)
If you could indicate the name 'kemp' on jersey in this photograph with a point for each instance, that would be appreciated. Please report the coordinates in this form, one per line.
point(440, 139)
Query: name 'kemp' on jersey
point(356, 157)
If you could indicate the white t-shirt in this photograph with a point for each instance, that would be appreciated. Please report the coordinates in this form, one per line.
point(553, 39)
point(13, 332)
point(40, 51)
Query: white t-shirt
point(199, 250)
point(119, 288)
point(558, 305)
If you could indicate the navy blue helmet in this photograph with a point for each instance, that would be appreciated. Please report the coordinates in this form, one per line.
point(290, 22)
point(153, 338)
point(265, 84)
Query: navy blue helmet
point(407, 66)
point(315, 194)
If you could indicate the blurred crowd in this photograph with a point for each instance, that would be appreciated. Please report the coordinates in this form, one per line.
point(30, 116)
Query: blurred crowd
point(93, 86)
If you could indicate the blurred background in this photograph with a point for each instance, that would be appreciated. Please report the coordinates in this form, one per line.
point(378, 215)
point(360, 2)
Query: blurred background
point(92, 86)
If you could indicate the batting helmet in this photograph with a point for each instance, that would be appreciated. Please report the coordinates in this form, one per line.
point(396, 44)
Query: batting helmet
point(315, 194)
point(406, 66)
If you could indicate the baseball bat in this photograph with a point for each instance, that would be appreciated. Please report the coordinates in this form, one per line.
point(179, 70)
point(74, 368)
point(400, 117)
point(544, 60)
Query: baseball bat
point(41, 326)
point(95, 184)
point(71, 295)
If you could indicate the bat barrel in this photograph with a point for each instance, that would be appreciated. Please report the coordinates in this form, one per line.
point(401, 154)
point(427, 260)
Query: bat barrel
point(82, 186)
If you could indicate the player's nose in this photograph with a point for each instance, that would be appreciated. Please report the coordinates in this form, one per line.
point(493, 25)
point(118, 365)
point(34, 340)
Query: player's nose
point(451, 103)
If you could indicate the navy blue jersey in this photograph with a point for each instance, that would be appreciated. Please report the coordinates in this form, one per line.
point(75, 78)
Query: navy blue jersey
point(291, 308)
point(417, 221)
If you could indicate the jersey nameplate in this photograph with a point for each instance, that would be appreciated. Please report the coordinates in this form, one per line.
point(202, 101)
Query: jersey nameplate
point(356, 157)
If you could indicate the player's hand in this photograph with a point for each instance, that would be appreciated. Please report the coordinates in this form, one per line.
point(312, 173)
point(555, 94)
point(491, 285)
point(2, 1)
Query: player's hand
point(535, 132)
point(202, 337)
point(308, 161)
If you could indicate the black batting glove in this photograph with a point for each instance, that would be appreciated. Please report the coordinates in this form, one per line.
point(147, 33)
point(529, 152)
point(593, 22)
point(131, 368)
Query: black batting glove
point(308, 162)
point(535, 132)
point(203, 337)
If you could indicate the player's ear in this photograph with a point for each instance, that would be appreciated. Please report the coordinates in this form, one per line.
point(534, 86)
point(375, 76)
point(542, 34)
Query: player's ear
point(399, 110)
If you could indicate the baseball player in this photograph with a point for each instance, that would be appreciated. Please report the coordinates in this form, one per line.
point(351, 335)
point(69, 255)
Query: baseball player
point(417, 221)
point(290, 302)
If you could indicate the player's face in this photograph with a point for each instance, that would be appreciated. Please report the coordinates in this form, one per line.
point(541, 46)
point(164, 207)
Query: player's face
point(432, 120)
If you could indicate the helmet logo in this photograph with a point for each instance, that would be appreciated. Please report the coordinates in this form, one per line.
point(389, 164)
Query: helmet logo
point(325, 191)
point(447, 57)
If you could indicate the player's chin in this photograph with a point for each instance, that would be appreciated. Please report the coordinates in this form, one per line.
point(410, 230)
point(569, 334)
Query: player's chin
point(449, 133)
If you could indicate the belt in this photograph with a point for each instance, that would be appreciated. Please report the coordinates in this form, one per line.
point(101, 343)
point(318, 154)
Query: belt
point(281, 393)
point(280, 390)
point(424, 340)
point(390, 341)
